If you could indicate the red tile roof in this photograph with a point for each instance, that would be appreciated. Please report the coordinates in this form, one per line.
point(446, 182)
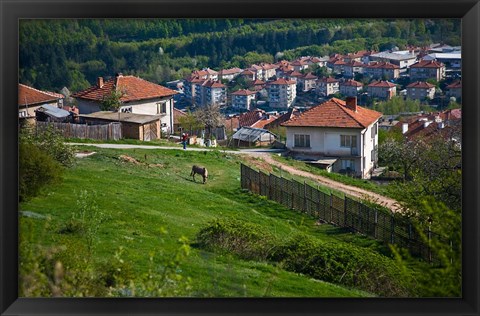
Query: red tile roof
point(295, 74)
point(250, 118)
point(309, 76)
point(427, 64)
point(247, 72)
point(327, 80)
point(421, 85)
point(292, 112)
point(264, 121)
point(455, 85)
point(230, 71)
point(355, 63)
point(132, 89)
point(177, 114)
point(243, 92)
point(282, 81)
point(30, 96)
point(351, 83)
point(382, 84)
point(335, 113)
point(381, 64)
point(257, 82)
point(213, 84)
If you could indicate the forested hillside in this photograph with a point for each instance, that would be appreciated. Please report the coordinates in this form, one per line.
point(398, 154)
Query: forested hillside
point(73, 53)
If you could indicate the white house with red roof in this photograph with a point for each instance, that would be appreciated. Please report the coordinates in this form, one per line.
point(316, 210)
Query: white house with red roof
point(350, 88)
point(306, 82)
point(339, 134)
point(420, 90)
point(137, 96)
point(382, 90)
point(281, 93)
point(229, 74)
point(326, 86)
point(31, 99)
point(243, 99)
point(427, 69)
point(352, 68)
point(454, 89)
point(382, 70)
point(211, 93)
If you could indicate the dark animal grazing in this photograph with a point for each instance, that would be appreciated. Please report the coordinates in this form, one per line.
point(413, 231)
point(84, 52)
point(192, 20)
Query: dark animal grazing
point(201, 171)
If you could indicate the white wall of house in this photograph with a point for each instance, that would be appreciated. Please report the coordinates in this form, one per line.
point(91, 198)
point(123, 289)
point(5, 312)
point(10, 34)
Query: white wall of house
point(242, 101)
point(328, 142)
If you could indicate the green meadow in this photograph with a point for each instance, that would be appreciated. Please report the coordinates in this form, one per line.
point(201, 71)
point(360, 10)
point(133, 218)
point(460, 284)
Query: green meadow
point(128, 227)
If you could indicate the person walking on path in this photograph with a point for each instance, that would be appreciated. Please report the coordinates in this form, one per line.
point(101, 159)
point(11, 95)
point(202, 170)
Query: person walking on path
point(184, 140)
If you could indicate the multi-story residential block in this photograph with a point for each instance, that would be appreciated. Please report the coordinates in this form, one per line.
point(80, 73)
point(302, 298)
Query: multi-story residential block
point(420, 90)
point(214, 93)
point(293, 75)
point(427, 69)
point(382, 89)
point(327, 86)
point(281, 93)
point(340, 134)
point(350, 88)
point(268, 70)
point(352, 68)
point(205, 73)
point(306, 82)
point(258, 71)
point(242, 99)
point(382, 70)
point(454, 89)
point(299, 64)
point(229, 74)
point(190, 88)
point(249, 74)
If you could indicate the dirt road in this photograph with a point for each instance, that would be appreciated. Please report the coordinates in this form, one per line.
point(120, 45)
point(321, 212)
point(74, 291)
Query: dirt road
point(347, 189)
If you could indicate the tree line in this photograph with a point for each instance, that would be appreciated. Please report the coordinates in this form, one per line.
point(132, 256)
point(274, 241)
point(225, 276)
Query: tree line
point(73, 53)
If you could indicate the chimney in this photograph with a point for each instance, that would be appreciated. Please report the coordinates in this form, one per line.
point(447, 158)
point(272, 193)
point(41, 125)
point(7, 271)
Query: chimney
point(404, 128)
point(351, 103)
point(100, 82)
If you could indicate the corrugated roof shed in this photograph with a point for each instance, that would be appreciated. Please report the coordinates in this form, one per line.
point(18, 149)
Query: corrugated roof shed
point(250, 134)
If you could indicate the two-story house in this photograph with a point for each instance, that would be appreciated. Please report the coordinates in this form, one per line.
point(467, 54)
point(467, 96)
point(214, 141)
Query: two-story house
point(306, 82)
point(382, 70)
point(427, 69)
point(352, 68)
point(454, 89)
point(242, 99)
point(136, 95)
point(382, 90)
point(229, 74)
point(350, 88)
point(420, 90)
point(326, 86)
point(281, 93)
point(341, 131)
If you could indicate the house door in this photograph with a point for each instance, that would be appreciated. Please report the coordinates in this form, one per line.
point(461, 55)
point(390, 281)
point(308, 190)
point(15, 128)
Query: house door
point(150, 131)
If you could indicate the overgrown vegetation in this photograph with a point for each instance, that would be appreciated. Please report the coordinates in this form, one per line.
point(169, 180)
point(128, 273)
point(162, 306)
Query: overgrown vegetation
point(331, 262)
point(42, 159)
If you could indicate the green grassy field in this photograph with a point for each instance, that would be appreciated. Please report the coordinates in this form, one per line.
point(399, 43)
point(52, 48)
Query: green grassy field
point(148, 206)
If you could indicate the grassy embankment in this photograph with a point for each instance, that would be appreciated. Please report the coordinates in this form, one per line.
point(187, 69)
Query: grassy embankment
point(147, 207)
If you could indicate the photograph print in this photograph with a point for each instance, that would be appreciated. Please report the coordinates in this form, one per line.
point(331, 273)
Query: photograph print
point(240, 158)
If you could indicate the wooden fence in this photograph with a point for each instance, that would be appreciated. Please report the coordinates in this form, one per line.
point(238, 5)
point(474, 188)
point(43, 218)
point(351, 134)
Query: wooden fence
point(111, 131)
point(343, 212)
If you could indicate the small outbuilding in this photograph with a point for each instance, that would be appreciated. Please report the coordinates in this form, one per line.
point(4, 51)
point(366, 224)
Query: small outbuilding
point(134, 126)
point(50, 113)
point(250, 136)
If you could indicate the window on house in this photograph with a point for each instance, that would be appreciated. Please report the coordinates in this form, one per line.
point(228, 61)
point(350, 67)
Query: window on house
point(22, 114)
point(348, 164)
point(349, 141)
point(162, 107)
point(302, 141)
point(126, 109)
point(374, 130)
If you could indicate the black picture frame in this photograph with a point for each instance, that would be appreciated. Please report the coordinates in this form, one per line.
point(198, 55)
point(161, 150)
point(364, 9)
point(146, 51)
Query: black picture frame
point(12, 11)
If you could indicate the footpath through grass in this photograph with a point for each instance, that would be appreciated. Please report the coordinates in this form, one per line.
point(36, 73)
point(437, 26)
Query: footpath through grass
point(149, 207)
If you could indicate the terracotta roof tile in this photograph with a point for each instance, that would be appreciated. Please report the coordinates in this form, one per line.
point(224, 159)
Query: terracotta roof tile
point(455, 85)
point(421, 85)
point(282, 81)
point(250, 118)
point(29, 96)
point(213, 84)
point(261, 123)
point(335, 113)
point(351, 83)
point(427, 64)
point(382, 65)
point(230, 71)
point(243, 92)
point(133, 89)
point(327, 80)
point(382, 84)
point(309, 76)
